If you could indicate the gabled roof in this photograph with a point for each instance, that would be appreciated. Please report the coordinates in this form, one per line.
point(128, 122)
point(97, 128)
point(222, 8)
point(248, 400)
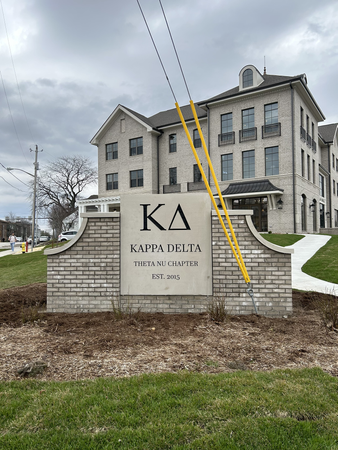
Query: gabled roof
point(154, 123)
point(327, 132)
point(171, 117)
point(270, 81)
point(250, 187)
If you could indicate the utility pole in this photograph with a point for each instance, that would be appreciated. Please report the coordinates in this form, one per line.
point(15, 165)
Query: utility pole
point(36, 167)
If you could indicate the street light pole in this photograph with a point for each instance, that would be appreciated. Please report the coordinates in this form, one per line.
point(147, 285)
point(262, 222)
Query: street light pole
point(34, 194)
point(36, 168)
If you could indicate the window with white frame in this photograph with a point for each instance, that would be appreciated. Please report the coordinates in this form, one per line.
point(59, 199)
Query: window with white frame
point(112, 151)
point(112, 181)
point(136, 146)
point(247, 78)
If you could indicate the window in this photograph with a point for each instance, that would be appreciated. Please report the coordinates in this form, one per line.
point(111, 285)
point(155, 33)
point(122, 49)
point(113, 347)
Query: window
point(226, 123)
point(136, 146)
point(248, 118)
point(197, 174)
point(332, 161)
point(136, 178)
point(302, 163)
point(336, 164)
point(111, 151)
point(197, 139)
point(173, 175)
point(271, 119)
point(227, 136)
point(313, 171)
point(308, 167)
point(227, 167)
point(248, 164)
point(271, 114)
point(271, 161)
point(112, 181)
point(172, 143)
point(248, 123)
point(336, 217)
point(322, 215)
point(301, 117)
point(303, 212)
point(334, 186)
point(247, 78)
point(321, 186)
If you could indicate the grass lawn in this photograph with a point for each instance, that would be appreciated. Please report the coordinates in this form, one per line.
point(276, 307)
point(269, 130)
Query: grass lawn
point(19, 270)
point(282, 239)
point(324, 264)
point(290, 409)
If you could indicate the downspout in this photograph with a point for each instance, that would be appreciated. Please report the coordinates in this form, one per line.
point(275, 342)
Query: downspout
point(293, 159)
point(330, 181)
point(208, 118)
point(158, 163)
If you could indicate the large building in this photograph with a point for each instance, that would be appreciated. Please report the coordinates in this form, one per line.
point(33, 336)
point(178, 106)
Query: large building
point(265, 143)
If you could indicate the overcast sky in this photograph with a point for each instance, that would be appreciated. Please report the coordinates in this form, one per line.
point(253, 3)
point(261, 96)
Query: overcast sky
point(76, 60)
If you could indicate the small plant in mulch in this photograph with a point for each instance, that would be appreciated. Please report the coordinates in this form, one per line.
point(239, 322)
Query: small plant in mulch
point(237, 365)
point(32, 369)
point(216, 310)
point(30, 314)
point(327, 306)
point(127, 312)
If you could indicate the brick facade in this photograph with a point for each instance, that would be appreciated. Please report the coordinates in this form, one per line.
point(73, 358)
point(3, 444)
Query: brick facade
point(84, 275)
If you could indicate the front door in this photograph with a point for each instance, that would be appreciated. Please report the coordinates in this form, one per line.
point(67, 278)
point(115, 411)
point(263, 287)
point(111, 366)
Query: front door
point(259, 205)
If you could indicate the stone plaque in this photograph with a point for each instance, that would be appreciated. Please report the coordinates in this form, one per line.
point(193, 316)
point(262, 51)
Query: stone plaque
point(166, 244)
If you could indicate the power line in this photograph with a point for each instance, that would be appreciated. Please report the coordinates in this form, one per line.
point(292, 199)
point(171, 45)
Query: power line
point(14, 175)
point(10, 113)
point(178, 59)
point(151, 37)
point(11, 185)
point(16, 78)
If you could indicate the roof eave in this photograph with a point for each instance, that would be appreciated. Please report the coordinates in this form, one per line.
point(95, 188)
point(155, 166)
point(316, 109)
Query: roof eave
point(96, 139)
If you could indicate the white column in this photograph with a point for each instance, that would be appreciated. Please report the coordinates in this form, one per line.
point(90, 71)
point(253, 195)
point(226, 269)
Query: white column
point(81, 210)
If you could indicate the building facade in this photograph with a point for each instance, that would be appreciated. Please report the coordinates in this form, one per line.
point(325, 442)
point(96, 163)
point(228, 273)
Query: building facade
point(264, 140)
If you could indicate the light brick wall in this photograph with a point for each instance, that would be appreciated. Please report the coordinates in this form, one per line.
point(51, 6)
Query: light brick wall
point(84, 275)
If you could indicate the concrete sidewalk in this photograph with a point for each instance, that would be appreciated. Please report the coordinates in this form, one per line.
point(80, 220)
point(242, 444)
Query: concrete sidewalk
point(303, 251)
point(18, 251)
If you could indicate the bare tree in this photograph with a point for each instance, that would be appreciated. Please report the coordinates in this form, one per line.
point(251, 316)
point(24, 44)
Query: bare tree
point(61, 184)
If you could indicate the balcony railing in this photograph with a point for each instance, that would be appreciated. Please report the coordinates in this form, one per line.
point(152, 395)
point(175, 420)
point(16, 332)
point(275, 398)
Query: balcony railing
point(226, 138)
point(273, 129)
point(249, 134)
point(302, 134)
point(198, 186)
point(309, 140)
point(171, 188)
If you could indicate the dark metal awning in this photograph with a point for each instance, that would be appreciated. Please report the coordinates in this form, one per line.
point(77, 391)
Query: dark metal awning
point(251, 189)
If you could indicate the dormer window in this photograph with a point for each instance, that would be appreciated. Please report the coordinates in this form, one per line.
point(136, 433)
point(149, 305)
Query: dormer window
point(247, 78)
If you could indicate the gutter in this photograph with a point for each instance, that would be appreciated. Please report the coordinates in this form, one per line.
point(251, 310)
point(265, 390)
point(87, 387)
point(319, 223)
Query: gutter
point(208, 117)
point(330, 181)
point(158, 162)
point(293, 159)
